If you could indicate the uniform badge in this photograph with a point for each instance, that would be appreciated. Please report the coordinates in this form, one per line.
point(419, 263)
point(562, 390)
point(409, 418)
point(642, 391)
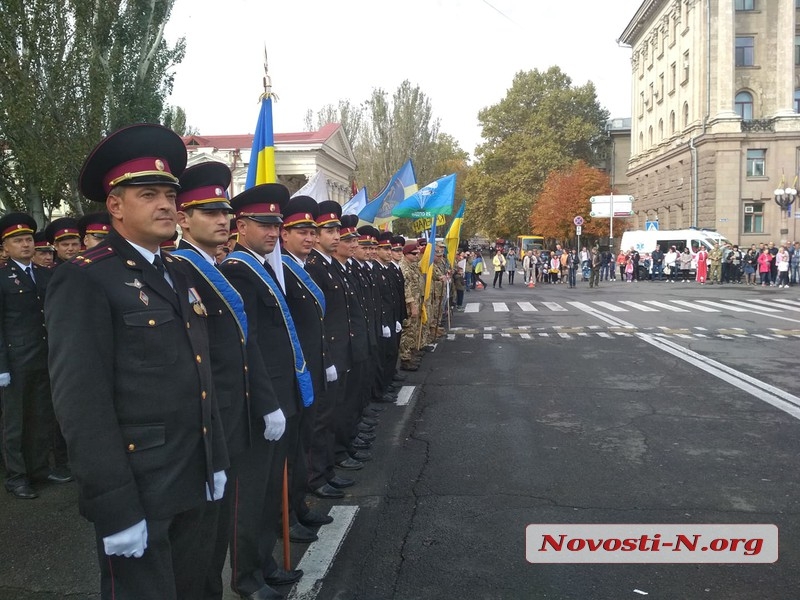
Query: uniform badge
point(135, 283)
point(197, 304)
point(16, 281)
point(143, 297)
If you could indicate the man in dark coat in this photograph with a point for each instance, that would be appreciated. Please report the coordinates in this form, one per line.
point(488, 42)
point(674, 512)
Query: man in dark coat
point(65, 237)
point(27, 406)
point(137, 404)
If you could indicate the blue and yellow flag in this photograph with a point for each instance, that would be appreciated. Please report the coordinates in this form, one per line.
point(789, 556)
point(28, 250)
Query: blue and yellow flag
point(454, 233)
point(436, 198)
point(402, 185)
point(262, 157)
point(426, 262)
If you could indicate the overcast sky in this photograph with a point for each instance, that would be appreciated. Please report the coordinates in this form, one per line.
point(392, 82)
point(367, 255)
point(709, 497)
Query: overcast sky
point(462, 53)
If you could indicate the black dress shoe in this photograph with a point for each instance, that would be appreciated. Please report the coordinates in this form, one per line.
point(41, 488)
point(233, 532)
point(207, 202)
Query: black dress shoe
point(359, 444)
point(300, 534)
point(60, 475)
point(361, 455)
point(349, 464)
point(387, 398)
point(265, 593)
point(409, 366)
point(366, 436)
point(341, 482)
point(328, 492)
point(369, 421)
point(365, 428)
point(398, 377)
point(22, 491)
point(283, 577)
point(314, 518)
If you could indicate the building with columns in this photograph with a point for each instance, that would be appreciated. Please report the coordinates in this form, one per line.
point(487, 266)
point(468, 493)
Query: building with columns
point(715, 128)
point(298, 156)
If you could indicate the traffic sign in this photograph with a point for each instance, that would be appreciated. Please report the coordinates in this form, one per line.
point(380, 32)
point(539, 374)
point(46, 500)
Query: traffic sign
point(651, 225)
point(577, 230)
point(578, 221)
point(601, 206)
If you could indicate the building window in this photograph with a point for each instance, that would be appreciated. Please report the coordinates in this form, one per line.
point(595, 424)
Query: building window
point(660, 87)
point(797, 99)
point(685, 67)
point(743, 104)
point(685, 115)
point(745, 5)
point(672, 123)
point(641, 142)
point(753, 217)
point(797, 50)
point(673, 76)
point(650, 98)
point(641, 104)
point(745, 51)
point(660, 129)
point(650, 136)
point(756, 163)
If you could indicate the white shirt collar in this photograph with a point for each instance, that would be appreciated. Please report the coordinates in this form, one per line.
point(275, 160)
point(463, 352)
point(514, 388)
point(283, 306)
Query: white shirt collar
point(202, 253)
point(23, 267)
point(146, 254)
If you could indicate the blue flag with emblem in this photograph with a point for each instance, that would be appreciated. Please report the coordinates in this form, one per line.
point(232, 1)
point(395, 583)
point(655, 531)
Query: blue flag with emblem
point(217, 280)
point(304, 382)
point(306, 280)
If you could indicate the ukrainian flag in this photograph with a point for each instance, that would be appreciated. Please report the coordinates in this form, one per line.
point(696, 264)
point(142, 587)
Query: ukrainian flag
point(426, 266)
point(454, 233)
point(262, 157)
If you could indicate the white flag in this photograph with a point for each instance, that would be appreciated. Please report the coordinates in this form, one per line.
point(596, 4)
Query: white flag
point(316, 188)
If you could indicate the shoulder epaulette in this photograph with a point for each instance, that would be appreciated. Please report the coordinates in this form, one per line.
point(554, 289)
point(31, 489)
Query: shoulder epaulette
point(93, 255)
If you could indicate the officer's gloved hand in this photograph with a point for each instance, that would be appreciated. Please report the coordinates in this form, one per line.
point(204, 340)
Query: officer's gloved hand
point(385, 331)
point(398, 327)
point(129, 542)
point(331, 374)
point(219, 487)
point(274, 425)
point(5, 379)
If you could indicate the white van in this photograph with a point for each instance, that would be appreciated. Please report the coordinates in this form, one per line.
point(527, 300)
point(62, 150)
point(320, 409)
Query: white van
point(646, 241)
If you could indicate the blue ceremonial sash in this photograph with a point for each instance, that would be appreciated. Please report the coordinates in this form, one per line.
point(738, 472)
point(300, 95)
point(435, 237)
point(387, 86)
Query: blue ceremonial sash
point(217, 280)
point(306, 280)
point(304, 382)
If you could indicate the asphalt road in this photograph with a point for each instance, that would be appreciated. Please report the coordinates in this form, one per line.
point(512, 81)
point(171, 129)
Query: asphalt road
point(625, 404)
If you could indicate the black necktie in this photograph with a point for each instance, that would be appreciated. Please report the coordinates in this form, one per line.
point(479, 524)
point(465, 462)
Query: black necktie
point(159, 265)
point(29, 272)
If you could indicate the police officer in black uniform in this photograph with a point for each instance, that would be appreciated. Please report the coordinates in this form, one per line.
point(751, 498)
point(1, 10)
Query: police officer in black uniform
point(65, 237)
point(137, 404)
point(27, 406)
point(93, 228)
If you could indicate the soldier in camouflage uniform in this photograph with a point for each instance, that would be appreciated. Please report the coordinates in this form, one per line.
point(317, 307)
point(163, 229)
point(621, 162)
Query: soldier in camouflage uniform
point(715, 262)
point(413, 296)
point(438, 291)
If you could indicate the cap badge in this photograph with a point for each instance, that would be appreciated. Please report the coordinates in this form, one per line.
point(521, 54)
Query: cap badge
point(308, 215)
point(218, 191)
point(159, 164)
point(272, 208)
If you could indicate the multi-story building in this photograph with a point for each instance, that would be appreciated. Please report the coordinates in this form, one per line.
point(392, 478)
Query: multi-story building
point(715, 126)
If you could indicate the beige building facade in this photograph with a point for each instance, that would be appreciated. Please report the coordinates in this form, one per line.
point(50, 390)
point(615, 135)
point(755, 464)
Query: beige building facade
point(715, 128)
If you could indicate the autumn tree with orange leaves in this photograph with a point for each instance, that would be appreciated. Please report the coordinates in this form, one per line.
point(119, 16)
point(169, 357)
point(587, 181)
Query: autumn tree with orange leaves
point(565, 195)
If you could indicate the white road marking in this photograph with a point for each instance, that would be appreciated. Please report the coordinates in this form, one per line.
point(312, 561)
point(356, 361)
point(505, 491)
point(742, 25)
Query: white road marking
point(404, 395)
point(555, 306)
point(666, 306)
point(500, 307)
point(723, 306)
point(603, 334)
point(527, 307)
point(544, 335)
point(748, 304)
point(694, 306)
point(487, 336)
point(773, 304)
point(451, 336)
point(470, 335)
point(609, 306)
point(638, 306)
point(602, 316)
point(472, 307)
point(566, 336)
point(525, 336)
point(319, 557)
point(770, 394)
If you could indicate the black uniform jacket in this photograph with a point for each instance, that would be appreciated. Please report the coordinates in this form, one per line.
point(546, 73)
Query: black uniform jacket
point(132, 386)
point(271, 361)
point(359, 325)
point(337, 320)
point(396, 275)
point(23, 337)
point(308, 322)
point(228, 365)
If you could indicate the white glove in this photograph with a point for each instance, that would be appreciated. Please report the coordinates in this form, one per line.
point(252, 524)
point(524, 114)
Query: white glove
point(130, 542)
point(385, 331)
point(398, 327)
point(274, 425)
point(5, 379)
point(330, 374)
point(219, 487)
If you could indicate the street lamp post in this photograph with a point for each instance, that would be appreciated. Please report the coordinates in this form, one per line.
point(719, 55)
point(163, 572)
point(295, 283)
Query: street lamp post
point(785, 197)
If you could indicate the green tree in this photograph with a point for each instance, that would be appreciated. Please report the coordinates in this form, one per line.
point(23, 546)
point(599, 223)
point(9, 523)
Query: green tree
point(348, 115)
point(69, 73)
point(174, 117)
point(543, 124)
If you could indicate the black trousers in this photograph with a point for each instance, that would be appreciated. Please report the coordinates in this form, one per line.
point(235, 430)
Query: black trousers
point(498, 277)
point(320, 455)
point(347, 413)
point(28, 422)
point(248, 484)
point(167, 569)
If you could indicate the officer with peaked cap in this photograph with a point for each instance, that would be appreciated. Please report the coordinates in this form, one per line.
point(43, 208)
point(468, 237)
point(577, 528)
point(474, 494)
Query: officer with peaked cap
point(93, 228)
point(271, 366)
point(204, 218)
point(145, 445)
point(27, 407)
point(65, 236)
point(42, 250)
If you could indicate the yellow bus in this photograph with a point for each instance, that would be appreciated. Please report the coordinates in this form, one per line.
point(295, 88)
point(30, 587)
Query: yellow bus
point(529, 242)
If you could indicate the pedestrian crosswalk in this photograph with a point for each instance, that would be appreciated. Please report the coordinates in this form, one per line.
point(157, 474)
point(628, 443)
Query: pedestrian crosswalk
point(770, 306)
